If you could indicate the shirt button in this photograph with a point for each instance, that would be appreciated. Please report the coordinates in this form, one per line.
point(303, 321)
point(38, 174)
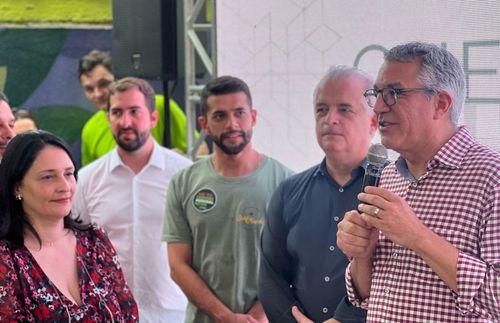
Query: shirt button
point(336, 218)
point(327, 279)
point(395, 255)
point(341, 189)
point(331, 248)
point(414, 184)
point(387, 290)
point(325, 310)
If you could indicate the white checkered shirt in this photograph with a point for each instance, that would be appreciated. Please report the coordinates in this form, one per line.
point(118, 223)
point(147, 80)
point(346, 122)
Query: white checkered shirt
point(459, 199)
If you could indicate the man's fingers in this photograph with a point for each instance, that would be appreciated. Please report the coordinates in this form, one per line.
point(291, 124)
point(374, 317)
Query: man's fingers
point(299, 317)
point(250, 319)
point(382, 192)
point(355, 218)
point(373, 221)
point(354, 241)
point(354, 224)
point(374, 200)
point(369, 210)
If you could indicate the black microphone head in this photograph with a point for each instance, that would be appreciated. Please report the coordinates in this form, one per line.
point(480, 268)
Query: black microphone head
point(377, 155)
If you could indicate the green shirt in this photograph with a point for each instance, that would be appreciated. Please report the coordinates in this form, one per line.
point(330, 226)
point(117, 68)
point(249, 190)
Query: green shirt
point(222, 219)
point(97, 138)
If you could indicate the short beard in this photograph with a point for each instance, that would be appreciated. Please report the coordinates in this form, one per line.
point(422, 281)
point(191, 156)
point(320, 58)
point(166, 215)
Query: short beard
point(232, 150)
point(133, 145)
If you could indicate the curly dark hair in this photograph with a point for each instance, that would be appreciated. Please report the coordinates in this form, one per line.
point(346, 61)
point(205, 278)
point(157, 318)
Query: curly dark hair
point(92, 59)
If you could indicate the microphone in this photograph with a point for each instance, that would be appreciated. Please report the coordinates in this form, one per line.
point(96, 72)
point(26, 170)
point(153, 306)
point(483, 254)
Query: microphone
point(377, 159)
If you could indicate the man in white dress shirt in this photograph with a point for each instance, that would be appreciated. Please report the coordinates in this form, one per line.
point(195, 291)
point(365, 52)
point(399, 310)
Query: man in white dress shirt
point(124, 192)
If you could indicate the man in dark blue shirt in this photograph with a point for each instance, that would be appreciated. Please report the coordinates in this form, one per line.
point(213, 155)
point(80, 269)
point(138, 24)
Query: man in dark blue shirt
point(301, 264)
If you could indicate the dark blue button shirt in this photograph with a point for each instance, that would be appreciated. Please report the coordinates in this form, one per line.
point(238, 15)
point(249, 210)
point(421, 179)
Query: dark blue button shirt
point(301, 263)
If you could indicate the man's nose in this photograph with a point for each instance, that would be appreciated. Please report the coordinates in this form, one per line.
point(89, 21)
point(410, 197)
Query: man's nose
point(98, 92)
point(232, 122)
point(380, 106)
point(125, 120)
point(332, 117)
point(9, 133)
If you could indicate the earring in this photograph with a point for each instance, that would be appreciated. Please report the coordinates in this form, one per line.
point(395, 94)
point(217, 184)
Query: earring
point(19, 197)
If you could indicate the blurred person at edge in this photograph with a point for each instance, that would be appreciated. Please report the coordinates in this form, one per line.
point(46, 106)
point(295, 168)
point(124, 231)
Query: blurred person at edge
point(301, 262)
point(24, 121)
point(53, 268)
point(7, 120)
point(124, 192)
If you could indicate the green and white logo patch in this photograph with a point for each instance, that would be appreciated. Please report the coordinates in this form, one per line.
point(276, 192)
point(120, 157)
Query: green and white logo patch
point(204, 200)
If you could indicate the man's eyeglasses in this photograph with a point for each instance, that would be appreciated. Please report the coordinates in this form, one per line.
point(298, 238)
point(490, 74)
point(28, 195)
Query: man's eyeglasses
point(390, 95)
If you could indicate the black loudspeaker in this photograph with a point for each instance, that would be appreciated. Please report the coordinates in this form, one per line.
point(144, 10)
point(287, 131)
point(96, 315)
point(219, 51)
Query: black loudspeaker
point(145, 38)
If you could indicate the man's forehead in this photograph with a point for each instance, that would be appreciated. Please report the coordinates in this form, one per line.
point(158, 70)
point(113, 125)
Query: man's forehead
point(228, 101)
point(128, 99)
point(5, 111)
point(227, 96)
point(394, 73)
point(99, 72)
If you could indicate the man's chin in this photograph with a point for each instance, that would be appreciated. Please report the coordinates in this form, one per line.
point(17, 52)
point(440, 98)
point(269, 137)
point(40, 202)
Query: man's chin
point(333, 147)
point(233, 150)
point(127, 137)
point(101, 106)
point(128, 146)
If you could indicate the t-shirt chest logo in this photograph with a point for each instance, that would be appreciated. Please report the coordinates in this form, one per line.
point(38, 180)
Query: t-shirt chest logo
point(204, 200)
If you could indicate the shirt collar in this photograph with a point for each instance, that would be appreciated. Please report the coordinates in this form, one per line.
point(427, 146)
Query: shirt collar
point(451, 154)
point(157, 159)
point(323, 171)
point(402, 168)
point(454, 151)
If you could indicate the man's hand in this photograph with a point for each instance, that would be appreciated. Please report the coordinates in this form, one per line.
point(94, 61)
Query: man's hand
point(391, 214)
point(257, 312)
point(358, 240)
point(394, 217)
point(301, 318)
point(355, 237)
point(236, 318)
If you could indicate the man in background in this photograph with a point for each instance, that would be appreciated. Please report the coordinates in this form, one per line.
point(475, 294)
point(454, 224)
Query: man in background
point(7, 120)
point(95, 73)
point(301, 263)
point(215, 211)
point(24, 121)
point(124, 192)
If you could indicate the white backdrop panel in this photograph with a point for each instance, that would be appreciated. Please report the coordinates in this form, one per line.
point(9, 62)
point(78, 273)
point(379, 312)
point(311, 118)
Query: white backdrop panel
point(283, 47)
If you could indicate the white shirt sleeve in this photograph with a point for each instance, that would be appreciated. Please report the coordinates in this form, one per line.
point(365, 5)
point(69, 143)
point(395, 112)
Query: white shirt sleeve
point(79, 208)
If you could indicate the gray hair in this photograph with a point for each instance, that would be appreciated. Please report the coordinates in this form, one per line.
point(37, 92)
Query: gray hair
point(439, 70)
point(340, 71)
point(3, 97)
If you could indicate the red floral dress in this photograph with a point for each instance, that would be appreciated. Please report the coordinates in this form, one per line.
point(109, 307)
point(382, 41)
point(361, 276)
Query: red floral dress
point(27, 294)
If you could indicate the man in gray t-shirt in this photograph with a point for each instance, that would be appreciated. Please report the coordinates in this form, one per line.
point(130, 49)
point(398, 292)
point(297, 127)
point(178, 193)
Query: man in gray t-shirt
point(215, 211)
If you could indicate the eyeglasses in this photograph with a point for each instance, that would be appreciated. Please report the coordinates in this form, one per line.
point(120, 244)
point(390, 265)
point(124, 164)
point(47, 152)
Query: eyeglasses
point(390, 95)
